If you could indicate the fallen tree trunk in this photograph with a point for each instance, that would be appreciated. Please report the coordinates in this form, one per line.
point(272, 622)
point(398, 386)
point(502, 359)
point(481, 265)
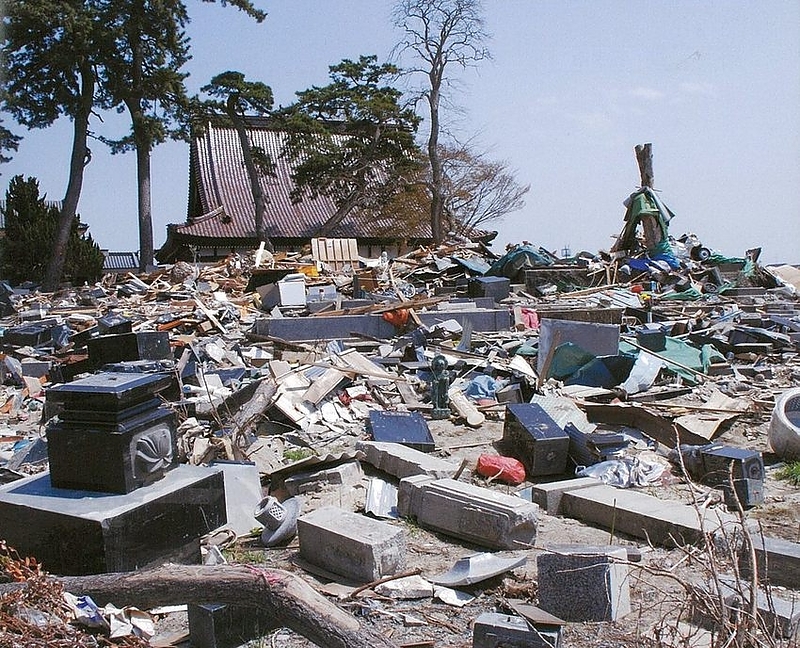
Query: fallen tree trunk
point(291, 601)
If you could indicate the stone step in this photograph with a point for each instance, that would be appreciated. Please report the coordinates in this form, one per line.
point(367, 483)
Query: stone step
point(778, 561)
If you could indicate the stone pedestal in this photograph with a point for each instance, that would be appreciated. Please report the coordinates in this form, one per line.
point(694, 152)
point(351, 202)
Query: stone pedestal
point(77, 532)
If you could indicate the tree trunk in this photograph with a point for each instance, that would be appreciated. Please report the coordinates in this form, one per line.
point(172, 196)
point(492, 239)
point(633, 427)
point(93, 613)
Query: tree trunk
point(77, 163)
point(259, 201)
point(291, 601)
point(437, 200)
point(341, 213)
point(144, 200)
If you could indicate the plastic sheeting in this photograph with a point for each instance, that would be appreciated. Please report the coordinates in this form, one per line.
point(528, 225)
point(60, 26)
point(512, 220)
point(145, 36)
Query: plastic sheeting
point(626, 472)
point(519, 258)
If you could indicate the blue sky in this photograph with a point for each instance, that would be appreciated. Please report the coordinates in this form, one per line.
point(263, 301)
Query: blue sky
point(572, 87)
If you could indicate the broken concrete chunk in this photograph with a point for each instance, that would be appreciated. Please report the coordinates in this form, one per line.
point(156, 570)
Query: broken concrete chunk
point(401, 461)
point(348, 474)
point(410, 587)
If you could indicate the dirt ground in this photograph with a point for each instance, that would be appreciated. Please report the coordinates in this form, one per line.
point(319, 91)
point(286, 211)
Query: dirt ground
point(658, 595)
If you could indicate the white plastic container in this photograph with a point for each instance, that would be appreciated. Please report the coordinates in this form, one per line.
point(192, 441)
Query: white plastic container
point(292, 290)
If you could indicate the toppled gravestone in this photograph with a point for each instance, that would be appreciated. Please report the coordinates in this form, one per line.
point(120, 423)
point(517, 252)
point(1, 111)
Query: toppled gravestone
point(479, 515)
point(350, 544)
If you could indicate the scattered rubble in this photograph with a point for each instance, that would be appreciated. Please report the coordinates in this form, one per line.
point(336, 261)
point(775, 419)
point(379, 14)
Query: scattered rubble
point(401, 413)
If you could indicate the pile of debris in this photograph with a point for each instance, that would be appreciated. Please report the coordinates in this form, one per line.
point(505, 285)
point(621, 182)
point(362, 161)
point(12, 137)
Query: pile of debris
point(325, 400)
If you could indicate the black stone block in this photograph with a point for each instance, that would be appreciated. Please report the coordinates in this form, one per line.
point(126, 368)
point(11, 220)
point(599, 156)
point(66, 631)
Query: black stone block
point(114, 323)
point(536, 439)
point(74, 532)
point(32, 334)
point(113, 458)
point(496, 287)
point(108, 391)
point(407, 428)
point(80, 338)
point(75, 417)
point(226, 626)
point(747, 492)
point(144, 345)
point(719, 459)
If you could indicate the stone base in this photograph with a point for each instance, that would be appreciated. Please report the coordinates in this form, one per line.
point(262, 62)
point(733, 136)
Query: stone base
point(74, 532)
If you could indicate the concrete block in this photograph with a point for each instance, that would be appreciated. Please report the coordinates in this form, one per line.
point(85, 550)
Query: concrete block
point(479, 515)
point(351, 545)
point(584, 583)
point(778, 561)
point(643, 516)
point(345, 474)
point(548, 495)
point(340, 326)
point(401, 461)
point(214, 625)
point(495, 630)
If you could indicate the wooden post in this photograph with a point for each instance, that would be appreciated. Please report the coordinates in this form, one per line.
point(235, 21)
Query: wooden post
point(650, 228)
point(644, 157)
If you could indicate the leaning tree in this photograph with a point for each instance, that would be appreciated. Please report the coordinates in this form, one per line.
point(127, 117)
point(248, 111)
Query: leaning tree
point(233, 98)
point(352, 140)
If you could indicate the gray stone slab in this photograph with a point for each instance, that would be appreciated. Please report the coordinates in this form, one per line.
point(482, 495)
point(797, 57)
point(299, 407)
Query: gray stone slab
point(242, 495)
point(584, 583)
point(599, 339)
point(781, 616)
point(548, 495)
point(778, 561)
point(479, 515)
point(401, 461)
point(351, 545)
point(659, 521)
point(334, 327)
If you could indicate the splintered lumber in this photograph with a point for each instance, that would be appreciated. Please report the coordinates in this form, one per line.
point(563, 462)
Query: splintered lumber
point(254, 412)
point(288, 599)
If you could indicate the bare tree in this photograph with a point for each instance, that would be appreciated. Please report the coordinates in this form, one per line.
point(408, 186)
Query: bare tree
point(477, 190)
point(440, 33)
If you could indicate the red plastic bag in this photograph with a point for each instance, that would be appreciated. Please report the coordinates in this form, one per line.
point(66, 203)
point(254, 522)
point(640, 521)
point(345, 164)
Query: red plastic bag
point(506, 469)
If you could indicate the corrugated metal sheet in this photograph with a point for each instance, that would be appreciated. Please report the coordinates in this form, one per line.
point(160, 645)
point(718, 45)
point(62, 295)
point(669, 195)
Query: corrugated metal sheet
point(226, 203)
